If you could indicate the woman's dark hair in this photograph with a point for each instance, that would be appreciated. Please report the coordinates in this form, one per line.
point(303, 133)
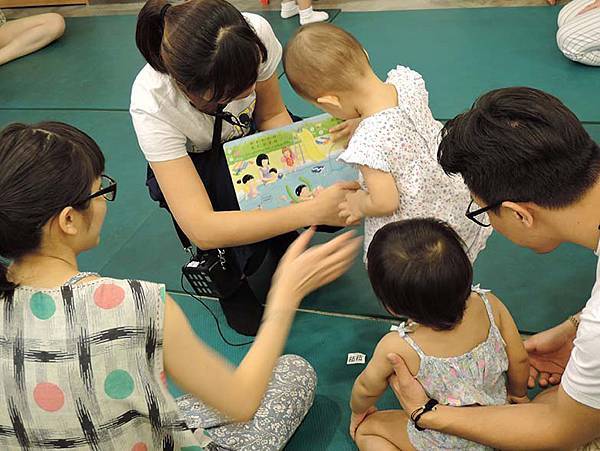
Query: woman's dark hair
point(260, 158)
point(521, 144)
point(419, 269)
point(44, 168)
point(205, 45)
point(299, 189)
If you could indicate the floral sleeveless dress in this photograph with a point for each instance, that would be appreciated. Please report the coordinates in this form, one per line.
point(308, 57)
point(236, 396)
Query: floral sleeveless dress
point(477, 377)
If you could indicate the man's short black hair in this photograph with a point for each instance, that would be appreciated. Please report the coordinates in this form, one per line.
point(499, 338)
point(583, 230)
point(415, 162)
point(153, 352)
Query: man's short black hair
point(419, 269)
point(521, 144)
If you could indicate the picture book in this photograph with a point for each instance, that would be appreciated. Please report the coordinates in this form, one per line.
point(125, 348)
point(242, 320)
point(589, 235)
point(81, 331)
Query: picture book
point(287, 165)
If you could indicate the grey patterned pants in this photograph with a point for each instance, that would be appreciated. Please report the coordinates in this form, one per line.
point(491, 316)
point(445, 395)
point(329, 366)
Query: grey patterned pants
point(288, 398)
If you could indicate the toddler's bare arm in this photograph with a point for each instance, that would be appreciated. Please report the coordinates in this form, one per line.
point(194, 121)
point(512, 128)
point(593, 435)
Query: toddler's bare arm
point(518, 360)
point(372, 382)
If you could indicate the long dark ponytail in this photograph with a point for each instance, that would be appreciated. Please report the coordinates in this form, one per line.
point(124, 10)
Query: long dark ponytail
point(205, 45)
point(44, 168)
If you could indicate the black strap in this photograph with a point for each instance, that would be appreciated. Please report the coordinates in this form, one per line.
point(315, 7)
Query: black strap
point(215, 148)
point(217, 130)
point(418, 413)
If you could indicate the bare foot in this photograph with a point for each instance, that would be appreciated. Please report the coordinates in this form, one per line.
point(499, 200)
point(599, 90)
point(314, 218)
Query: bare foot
point(551, 2)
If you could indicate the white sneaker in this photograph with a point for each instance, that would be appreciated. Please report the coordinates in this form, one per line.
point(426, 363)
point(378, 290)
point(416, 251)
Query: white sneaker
point(308, 15)
point(289, 9)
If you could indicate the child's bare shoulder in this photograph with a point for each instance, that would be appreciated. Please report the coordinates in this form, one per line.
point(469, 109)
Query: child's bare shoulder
point(498, 308)
point(392, 342)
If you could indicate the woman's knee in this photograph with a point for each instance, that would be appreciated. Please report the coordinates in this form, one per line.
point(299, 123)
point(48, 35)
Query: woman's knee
point(570, 11)
point(54, 24)
point(570, 42)
point(567, 42)
point(296, 381)
point(296, 371)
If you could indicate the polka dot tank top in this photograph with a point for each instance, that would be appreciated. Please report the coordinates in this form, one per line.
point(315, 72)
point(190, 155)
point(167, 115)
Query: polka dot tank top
point(82, 369)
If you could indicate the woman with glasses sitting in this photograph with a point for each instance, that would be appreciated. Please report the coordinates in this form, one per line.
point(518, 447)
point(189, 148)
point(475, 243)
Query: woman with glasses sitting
point(212, 77)
point(84, 356)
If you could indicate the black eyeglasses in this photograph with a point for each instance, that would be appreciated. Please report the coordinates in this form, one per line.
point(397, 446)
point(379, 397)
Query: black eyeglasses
point(472, 215)
point(108, 190)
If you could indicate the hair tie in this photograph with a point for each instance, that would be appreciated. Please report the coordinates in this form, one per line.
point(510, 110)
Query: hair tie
point(163, 12)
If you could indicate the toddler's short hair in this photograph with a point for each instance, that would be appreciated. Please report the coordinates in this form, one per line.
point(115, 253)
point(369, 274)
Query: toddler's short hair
point(321, 59)
point(419, 269)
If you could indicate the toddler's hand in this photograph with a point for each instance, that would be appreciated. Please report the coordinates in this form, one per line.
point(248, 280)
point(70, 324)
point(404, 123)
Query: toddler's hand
point(356, 419)
point(350, 208)
point(518, 399)
point(344, 130)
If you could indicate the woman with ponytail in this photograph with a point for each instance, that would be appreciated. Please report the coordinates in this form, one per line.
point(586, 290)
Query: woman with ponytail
point(212, 77)
point(84, 357)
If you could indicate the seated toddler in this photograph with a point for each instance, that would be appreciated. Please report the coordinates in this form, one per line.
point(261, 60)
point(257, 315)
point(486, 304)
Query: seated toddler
point(460, 342)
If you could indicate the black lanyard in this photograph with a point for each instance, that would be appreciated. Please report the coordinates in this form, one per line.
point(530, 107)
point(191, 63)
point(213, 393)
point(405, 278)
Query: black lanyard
point(217, 130)
point(244, 122)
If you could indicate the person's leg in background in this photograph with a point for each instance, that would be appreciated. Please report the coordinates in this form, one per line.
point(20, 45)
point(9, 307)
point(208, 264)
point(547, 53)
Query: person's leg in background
point(578, 36)
point(21, 37)
point(288, 399)
point(290, 8)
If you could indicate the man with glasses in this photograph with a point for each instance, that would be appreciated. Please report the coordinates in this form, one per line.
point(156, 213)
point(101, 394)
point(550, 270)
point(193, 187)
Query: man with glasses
point(534, 171)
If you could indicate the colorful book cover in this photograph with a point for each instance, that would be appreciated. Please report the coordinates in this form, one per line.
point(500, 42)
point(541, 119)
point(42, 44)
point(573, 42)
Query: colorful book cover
point(288, 165)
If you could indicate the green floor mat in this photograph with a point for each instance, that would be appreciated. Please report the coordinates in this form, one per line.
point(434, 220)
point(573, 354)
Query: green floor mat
point(91, 67)
point(325, 342)
point(155, 253)
point(463, 53)
point(114, 134)
point(138, 241)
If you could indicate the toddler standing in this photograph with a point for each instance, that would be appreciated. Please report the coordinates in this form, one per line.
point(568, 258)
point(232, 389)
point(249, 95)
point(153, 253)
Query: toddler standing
point(394, 145)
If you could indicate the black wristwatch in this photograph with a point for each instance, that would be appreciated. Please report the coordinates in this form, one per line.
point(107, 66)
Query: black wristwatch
point(416, 415)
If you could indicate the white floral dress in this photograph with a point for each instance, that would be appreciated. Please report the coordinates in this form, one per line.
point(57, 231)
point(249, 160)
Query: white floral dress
point(403, 141)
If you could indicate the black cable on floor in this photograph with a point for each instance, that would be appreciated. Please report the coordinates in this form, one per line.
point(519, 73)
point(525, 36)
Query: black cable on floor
point(197, 298)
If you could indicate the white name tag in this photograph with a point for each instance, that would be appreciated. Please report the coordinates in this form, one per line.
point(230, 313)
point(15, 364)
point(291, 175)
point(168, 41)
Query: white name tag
point(355, 358)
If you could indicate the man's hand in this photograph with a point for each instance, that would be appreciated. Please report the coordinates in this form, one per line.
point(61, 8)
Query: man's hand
point(356, 419)
point(549, 352)
point(407, 388)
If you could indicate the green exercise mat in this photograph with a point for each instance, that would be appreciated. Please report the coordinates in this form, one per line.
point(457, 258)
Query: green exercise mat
point(138, 241)
point(325, 342)
point(91, 67)
point(463, 53)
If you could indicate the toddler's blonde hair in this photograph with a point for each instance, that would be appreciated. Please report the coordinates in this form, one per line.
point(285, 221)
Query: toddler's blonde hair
point(323, 59)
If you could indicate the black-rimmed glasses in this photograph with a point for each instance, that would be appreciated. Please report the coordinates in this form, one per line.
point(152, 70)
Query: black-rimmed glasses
point(108, 190)
point(472, 215)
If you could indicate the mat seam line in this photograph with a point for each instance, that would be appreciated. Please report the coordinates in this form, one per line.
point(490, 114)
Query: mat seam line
point(107, 110)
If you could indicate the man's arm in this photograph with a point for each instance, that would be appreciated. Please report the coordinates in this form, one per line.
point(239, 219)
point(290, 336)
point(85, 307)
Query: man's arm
point(557, 422)
point(552, 421)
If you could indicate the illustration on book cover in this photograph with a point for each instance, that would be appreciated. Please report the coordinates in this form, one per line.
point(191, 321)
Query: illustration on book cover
point(288, 165)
